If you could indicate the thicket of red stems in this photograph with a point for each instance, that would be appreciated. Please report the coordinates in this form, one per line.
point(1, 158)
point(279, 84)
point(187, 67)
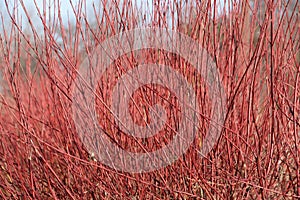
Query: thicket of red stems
point(255, 45)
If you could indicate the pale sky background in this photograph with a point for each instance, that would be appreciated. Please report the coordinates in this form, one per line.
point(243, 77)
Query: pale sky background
point(67, 12)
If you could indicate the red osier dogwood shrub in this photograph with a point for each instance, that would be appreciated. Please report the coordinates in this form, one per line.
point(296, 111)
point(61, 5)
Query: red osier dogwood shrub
point(255, 45)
